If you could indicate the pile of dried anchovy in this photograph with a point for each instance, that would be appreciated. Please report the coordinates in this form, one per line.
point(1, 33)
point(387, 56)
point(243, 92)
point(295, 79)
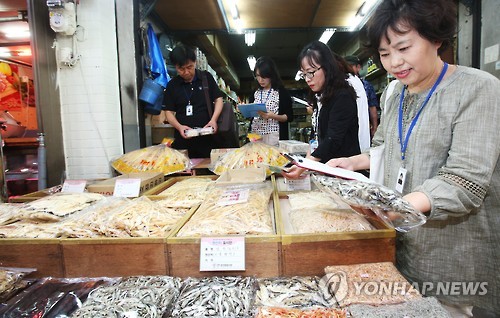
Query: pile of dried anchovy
point(215, 297)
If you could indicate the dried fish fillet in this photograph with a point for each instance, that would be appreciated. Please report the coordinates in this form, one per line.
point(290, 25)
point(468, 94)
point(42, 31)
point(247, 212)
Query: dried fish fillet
point(157, 158)
point(249, 217)
point(375, 197)
point(250, 156)
point(55, 207)
point(323, 214)
point(186, 193)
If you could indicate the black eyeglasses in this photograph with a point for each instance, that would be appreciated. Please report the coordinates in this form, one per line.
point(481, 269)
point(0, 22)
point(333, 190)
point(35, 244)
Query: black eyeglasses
point(309, 75)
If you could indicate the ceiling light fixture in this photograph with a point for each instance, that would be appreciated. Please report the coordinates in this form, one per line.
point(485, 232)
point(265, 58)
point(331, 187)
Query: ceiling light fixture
point(251, 62)
point(250, 38)
point(327, 34)
point(234, 10)
point(363, 14)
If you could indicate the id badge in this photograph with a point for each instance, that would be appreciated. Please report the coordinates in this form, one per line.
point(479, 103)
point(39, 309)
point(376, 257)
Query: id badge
point(400, 182)
point(189, 110)
point(313, 144)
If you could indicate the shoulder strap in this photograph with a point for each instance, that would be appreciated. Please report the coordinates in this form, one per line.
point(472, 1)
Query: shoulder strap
point(388, 93)
point(204, 82)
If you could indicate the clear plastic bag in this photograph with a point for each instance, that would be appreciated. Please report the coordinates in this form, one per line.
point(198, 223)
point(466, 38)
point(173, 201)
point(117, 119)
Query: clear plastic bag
point(385, 203)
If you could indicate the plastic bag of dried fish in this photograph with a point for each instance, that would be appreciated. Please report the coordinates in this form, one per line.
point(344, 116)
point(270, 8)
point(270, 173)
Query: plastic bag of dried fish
point(250, 155)
point(387, 204)
point(11, 280)
point(293, 292)
point(230, 296)
point(238, 209)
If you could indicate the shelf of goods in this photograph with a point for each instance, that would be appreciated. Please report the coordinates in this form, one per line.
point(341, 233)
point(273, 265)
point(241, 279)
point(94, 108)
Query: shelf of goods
point(274, 252)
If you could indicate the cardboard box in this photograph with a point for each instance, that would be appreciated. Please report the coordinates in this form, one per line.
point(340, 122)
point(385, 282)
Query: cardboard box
point(294, 146)
point(247, 175)
point(148, 181)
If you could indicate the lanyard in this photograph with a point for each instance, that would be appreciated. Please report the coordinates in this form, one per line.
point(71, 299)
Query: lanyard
point(268, 93)
point(188, 97)
point(404, 144)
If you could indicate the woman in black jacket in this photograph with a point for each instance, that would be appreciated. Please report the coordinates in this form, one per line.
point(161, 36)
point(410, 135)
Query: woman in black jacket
point(335, 117)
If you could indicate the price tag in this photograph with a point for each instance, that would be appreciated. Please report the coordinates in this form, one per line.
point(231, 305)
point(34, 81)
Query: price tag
point(298, 184)
point(222, 253)
point(230, 197)
point(74, 186)
point(127, 187)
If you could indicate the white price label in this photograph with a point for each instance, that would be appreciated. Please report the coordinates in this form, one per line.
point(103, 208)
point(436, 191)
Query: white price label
point(74, 186)
point(230, 197)
point(222, 253)
point(299, 184)
point(127, 187)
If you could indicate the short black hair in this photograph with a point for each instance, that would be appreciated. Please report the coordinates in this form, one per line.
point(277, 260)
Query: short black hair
point(182, 54)
point(352, 59)
point(434, 20)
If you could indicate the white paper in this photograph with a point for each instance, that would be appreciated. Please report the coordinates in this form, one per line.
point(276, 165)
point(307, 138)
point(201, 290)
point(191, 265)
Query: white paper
point(127, 187)
point(303, 184)
point(74, 186)
point(222, 253)
point(326, 169)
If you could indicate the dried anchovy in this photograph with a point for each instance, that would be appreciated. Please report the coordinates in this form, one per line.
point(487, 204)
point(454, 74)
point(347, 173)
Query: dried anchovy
point(215, 297)
point(293, 292)
point(144, 296)
point(375, 197)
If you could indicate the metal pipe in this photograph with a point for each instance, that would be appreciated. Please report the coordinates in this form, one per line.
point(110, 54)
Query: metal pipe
point(4, 197)
point(42, 162)
point(21, 16)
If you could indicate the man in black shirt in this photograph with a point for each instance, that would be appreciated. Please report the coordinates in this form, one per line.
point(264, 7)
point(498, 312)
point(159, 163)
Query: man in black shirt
point(186, 106)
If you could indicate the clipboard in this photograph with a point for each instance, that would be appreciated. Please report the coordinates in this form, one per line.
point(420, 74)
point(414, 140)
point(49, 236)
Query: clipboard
point(250, 110)
point(326, 169)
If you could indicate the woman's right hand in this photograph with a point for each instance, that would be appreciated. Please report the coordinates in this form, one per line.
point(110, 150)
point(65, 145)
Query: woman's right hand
point(344, 162)
point(293, 173)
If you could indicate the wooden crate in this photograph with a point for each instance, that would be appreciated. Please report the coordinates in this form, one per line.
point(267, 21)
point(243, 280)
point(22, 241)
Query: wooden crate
point(45, 255)
point(262, 254)
point(114, 257)
point(309, 254)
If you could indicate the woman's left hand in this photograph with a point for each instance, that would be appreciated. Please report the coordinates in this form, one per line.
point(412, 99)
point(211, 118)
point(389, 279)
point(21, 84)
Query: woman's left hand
point(213, 124)
point(264, 115)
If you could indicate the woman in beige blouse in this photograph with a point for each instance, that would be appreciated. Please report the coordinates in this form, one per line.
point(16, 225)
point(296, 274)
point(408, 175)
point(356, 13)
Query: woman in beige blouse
point(440, 130)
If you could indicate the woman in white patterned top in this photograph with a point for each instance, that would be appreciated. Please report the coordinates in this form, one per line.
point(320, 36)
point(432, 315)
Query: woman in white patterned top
point(273, 124)
point(440, 131)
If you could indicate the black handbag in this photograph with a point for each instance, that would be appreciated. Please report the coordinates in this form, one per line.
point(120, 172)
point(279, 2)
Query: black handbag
point(227, 118)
